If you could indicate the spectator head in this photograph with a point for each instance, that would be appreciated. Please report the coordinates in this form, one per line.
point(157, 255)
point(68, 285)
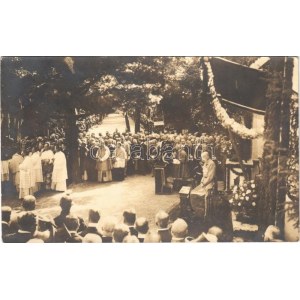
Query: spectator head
point(6, 213)
point(72, 222)
point(92, 238)
point(217, 232)
point(47, 146)
point(272, 234)
point(152, 237)
point(29, 202)
point(162, 219)
point(141, 225)
point(66, 203)
point(27, 221)
point(179, 230)
point(205, 156)
point(108, 226)
point(94, 216)
point(120, 231)
point(130, 239)
point(129, 216)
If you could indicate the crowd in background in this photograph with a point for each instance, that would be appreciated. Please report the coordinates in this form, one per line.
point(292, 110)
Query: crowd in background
point(113, 156)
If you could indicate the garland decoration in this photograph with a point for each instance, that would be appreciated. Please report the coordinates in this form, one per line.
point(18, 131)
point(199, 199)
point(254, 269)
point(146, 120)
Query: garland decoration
point(222, 115)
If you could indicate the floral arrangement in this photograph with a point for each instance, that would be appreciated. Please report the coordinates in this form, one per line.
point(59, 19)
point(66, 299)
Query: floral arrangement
point(222, 115)
point(244, 201)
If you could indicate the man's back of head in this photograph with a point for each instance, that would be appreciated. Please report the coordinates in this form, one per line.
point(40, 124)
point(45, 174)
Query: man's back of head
point(129, 216)
point(29, 203)
point(120, 232)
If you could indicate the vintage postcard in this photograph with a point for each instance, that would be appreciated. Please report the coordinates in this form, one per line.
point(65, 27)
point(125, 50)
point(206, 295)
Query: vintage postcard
point(149, 149)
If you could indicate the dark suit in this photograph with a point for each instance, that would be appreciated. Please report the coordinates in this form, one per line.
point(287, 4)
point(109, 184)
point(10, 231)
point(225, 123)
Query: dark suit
point(133, 231)
point(19, 237)
point(165, 235)
point(106, 239)
point(90, 229)
point(74, 238)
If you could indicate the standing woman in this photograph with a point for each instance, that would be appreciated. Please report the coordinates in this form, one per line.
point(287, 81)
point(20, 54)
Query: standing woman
point(26, 175)
point(37, 168)
point(60, 173)
point(47, 165)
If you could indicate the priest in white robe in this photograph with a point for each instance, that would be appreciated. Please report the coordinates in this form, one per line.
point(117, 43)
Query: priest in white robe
point(60, 173)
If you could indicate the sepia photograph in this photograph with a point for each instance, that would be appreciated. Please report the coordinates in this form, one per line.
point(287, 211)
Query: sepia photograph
point(149, 149)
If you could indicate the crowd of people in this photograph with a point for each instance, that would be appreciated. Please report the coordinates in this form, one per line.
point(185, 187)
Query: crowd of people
point(35, 164)
point(113, 156)
point(26, 225)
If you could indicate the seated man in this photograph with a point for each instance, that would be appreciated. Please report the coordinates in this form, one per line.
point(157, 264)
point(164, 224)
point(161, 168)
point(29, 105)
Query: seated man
point(94, 218)
point(66, 203)
point(142, 227)
point(5, 222)
point(92, 238)
point(27, 223)
point(120, 232)
point(107, 229)
point(29, 203)
point(72, 226)
point(46, 229)
point(162, 222)
point(129, 216)
point(179, 231)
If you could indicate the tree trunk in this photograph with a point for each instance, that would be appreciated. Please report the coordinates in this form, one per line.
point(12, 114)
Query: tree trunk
point(127, 122)
point(137, 126)
point(72, 148)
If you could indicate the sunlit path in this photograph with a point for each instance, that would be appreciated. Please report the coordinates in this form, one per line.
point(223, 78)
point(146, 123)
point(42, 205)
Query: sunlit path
point(111, 122)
